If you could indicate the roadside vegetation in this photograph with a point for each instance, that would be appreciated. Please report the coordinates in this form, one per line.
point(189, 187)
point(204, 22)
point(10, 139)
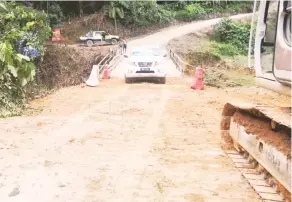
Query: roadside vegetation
point(27, 76)
point(134, 18)
point(230, 38)
point(17, 70)
point(221, 51)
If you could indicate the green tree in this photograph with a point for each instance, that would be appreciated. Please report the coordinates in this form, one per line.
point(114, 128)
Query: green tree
point(16, 70)
point(146, 13)
point(115, 9)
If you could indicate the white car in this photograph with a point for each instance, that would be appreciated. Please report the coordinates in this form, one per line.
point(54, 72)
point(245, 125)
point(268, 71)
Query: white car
point(100, 37)
point(146, 64)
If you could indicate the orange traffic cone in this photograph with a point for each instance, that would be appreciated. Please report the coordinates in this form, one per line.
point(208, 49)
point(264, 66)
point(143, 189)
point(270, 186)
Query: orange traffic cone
point(106, 73)
point(198, 82)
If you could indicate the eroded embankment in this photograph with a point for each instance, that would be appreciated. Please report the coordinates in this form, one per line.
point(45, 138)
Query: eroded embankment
point(64, 66)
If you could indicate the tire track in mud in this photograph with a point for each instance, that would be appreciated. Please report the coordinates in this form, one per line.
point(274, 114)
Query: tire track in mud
point(147, 143)
point(133, 170)
point(90, 153)
point(89, 157)
point(194, 167)
point(51, 143)
point(152, 169)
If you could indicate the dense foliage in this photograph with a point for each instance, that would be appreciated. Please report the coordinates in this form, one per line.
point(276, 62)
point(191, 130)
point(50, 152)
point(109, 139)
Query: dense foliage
point(231, 38)
point(16, 68)
point(193, 10)
point(190, 12)
point(145, 13)
point(55, 14)
point(140, 13)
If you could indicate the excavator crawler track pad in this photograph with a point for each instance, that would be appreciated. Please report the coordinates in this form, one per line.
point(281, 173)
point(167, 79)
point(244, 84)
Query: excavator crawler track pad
point(262, 133)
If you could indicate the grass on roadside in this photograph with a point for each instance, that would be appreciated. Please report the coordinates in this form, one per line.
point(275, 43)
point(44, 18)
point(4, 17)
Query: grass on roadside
point(221, 69)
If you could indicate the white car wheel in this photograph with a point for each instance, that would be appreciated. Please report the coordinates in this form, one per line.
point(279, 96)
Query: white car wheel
point(127, 80)
point(163, 80)
point(114, 41)
point(89, 42)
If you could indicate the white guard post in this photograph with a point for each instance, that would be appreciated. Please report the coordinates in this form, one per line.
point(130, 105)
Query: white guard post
point(93, 79)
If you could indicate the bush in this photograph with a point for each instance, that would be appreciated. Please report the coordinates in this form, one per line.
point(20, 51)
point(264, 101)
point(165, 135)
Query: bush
point(17, 69)
point(235, 33)
point(55, 15)
point(224, 49)
point(190, 12)
point(146, 13)
point(200, 10)
point(227, 7)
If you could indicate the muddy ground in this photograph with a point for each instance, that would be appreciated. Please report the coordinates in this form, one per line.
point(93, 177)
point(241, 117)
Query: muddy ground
point(119, 142)
point(125, 142)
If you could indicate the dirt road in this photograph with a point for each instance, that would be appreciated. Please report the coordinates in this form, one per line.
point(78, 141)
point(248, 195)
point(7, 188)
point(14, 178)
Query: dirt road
point(119, 142)
point(138, 142)
point(161, 38)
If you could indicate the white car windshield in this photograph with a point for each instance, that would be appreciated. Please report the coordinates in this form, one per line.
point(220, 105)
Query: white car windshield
point(89, 34)
point(151, 52)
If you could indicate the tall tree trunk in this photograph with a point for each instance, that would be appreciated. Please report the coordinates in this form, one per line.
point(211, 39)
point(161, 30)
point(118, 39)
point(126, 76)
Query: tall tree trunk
point(115, 25)
point(80, 8)
point(40, 6)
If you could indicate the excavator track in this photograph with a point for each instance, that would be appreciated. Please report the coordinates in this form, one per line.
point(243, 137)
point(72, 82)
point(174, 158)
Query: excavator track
point(258, 141)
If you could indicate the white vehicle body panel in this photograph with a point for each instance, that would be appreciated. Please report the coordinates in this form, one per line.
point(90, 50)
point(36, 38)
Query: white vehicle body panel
point(97, 35)
point(145, 65)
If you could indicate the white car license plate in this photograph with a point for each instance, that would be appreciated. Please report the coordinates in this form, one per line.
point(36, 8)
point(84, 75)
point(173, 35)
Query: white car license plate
point(145, 69)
